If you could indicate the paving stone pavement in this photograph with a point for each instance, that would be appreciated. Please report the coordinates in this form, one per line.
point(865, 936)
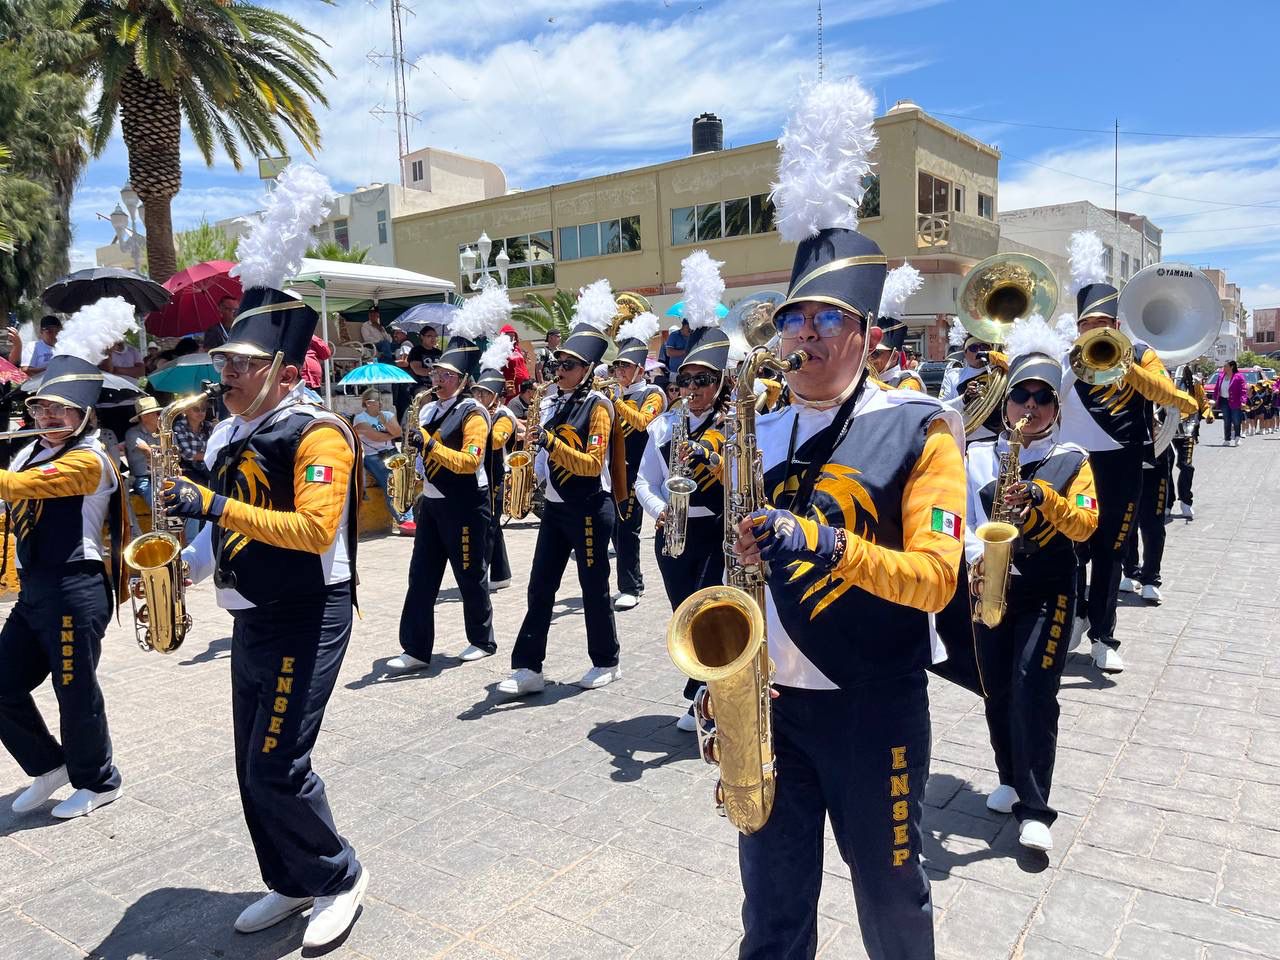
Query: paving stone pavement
point(579, 824)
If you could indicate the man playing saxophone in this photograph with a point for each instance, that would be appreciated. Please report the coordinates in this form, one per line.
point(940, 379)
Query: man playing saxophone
point(863, 541)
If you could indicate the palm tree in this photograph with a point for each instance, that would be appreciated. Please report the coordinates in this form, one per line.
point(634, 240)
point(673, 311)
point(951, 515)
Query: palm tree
point(237, 72)
point(204, 242)
point(329, 250)
point(546, 313)
point(6, 235)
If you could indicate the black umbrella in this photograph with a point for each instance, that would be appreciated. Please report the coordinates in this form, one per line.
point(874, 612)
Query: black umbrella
point(84, 287)
point(115, 389)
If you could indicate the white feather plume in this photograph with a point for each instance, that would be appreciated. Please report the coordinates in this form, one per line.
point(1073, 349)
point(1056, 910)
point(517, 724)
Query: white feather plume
point(1086, 251)
point(824, 147)
point(1066, 327)
point(596, 305)
point(272, 250)
point(702, 286)
point(899, 285)
point(483, 314)
point(92, 330)
point(1034, 334)
point(642, 327)
point(957, 334)
point(498, 353)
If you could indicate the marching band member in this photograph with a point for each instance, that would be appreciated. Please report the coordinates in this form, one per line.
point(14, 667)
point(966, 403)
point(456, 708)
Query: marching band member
point(1113, 422)
point(280, 543)
point(863, 541)
point(502, 433)
point(62, 489)
point(454, 512)
point(1143, 577)
point(1023, 656)
point(638, 406)
point(963, 385)
point(885, 359)
point(1188, 437)
point(573, 438)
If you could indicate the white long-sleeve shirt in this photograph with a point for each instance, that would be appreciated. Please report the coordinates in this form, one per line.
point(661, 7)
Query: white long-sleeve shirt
point(653, 465)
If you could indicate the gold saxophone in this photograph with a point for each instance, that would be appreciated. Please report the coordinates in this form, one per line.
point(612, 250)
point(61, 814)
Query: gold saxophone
point(999, 534)
point(161, 620)
point(679, 485)
point(518, 500)
point(403, 484)
point(718, 634)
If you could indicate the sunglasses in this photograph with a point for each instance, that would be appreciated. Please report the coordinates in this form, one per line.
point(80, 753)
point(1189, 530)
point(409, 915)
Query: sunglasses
point(566, 364)
point(48, 408)
point(621, 364)
point(827, 322)
point(978, 348)
point(699, 380)
point(237, 362)
point(1043, 397)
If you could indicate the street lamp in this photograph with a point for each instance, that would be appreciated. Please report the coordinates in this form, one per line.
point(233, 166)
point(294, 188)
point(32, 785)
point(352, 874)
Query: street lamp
point(475, 266)
point(131, 242)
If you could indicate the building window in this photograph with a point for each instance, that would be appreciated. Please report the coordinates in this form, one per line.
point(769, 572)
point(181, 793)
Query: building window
point(986, 207)
point(382, 226)
point(1108, 262)
point(959, 194)
point(589, 240)
point(710, 218)
point(870, 205)
point(737, 217)
point(1124, 265)
point(532, 262)
point(630, 234)
point(417, 171)
point(600, 239)
point(762, 212)
point(340, 235)
point(610, 236)
point(683, 229)
point(933, 195)
point(568, 243)
point(714, 221)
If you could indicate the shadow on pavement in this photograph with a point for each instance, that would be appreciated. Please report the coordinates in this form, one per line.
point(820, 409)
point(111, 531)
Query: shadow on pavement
point(219, 649)
point(1080, 674)
point(625, 738)
point(379, 674)
point(495, 702)
point(940, 860)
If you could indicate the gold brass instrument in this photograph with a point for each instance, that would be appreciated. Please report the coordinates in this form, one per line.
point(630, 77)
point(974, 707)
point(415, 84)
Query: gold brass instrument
point(679, 486)
point(718, 636)
point(999, 534)
point(630, 305)
point(1101, 356)
point(161, 620)
point(33, 432)
point(995, 294)
point(403, 484)
point(518, 500)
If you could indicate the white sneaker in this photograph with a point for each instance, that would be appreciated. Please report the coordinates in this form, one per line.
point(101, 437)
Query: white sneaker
point(1105, 658)
point(1187, 511)
point(406, 663)
point(496, 585)
point(1151, 593)
point(626, 601)
point(42, 788)
point(523, 681)
point(474, 653)
point(84, 802)
point(1035, 835)
point(269, 911)
point(1128, 585)
point(687, 723)
point(1078, 630)
point(600, 677)
point(333, 916)
point(1002, 799)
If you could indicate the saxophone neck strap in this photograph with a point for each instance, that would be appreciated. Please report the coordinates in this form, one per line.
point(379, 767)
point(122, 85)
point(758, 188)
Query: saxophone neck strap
point(824, 444)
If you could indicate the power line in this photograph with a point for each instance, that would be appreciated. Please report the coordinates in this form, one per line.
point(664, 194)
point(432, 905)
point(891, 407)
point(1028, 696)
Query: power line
point(1127, 133)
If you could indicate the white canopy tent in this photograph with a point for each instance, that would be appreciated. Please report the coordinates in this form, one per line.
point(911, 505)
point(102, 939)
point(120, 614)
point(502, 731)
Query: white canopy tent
point(335, 285)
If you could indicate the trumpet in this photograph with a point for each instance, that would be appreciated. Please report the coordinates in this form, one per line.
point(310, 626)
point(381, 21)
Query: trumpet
point(1101, 356)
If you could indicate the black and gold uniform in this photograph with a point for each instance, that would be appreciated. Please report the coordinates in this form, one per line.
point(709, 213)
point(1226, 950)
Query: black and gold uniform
point(502, 431)
point(1188, 437)
point(60, 497)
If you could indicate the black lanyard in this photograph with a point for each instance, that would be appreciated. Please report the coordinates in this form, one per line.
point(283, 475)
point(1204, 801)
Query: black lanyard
point(825, 443)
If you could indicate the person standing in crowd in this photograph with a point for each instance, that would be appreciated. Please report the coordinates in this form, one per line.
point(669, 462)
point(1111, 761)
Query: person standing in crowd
point(519, 405)
point(516, 370)
point(318, 351)
point(1232, 390)
point(124, 360)
point(453, 513)
point(502, 434)
point(375, 334)
point(544, 369)
point(1113, 422)
point(63, 491)
point(280, 542)
point(572, 440)
point(636, 408)
point(1056, 507)
point(884, 361)
point(42, 352)
point(378, 431)
point(140, 441)
point(868, 499)
point(217, 334)
point(675, 346)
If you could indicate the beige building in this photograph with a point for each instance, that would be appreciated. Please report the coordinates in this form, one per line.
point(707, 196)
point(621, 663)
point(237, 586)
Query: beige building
point(1233, 334)
point(932, 200)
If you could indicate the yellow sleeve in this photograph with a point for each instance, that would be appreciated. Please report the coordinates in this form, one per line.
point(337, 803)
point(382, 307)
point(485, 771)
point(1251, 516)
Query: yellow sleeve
point(589, 461)
point(501, 433)
point(639, 417)
point(912, 382)
point(1202, 401)
point(923, 573)
point(75, 474)
point(772, 391)
point(1075, 516)
point(475, 432)
point(1151, 380)
point(317, 507)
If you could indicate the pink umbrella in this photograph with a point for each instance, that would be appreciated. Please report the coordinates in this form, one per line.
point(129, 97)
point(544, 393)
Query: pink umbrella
point(196, 292)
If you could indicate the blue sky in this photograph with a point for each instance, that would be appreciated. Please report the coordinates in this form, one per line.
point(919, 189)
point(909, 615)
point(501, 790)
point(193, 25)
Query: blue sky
point(558, 89)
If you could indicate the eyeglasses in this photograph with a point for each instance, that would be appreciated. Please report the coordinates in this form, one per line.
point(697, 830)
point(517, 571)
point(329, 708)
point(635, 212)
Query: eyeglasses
point(237, 362)
point(827, 322)
point(47, 408)
point(699, 380)
point(978, 348)
point(567, 364)
point(1043, 397)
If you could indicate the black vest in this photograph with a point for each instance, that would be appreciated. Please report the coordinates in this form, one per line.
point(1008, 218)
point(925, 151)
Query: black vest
point(710, 492)
point(636, 439)
point(495, 465)
point(1119, 409)
point(447, 428)
point(570, 421)
point(851, 635)
point(258, 470)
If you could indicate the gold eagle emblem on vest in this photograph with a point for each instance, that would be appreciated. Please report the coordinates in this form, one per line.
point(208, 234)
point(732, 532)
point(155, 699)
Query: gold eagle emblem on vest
point(250, 485)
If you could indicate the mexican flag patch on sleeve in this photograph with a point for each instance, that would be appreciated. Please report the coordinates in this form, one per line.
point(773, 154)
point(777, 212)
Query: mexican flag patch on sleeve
point(944, 521)
point(318, 474)
point(1087, 502)
point(49, 470)
point(596, 440)
point(473, 449)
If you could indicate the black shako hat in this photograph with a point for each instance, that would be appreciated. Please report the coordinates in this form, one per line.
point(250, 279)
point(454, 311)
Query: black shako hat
point(462, 356)
point(1036, 366)
point(492, 380)
point(586, 343)
point(1097, 300)
point(708, 346)
point(633, 350)
point(841, 267)
point(895, 333)
point(268, 322)
point(72, 381)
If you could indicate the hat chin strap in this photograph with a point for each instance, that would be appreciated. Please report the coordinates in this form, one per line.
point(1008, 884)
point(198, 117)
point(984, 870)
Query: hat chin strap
point(261, 398)
point(844, 394)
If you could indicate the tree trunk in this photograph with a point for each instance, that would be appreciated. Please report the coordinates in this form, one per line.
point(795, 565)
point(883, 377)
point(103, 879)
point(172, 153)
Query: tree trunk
point(151, 122)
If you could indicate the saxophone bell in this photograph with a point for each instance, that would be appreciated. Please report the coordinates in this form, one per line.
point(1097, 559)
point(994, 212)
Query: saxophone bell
point(999, 535)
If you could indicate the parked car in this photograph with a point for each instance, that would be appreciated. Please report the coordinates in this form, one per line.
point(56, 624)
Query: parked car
point(931, 373)
point(1252, 375)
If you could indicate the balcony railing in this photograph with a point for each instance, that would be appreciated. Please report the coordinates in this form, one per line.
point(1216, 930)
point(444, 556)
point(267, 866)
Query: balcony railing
point(932, 230)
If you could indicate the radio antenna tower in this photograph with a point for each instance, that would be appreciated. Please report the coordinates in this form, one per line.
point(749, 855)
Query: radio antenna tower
point(398, 64)
point(820, 63)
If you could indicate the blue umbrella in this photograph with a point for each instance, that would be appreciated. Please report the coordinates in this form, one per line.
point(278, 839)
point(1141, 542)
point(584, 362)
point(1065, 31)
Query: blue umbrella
point(435, 315)
point(185, 375)
point(677, 310)
point(371, 374)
